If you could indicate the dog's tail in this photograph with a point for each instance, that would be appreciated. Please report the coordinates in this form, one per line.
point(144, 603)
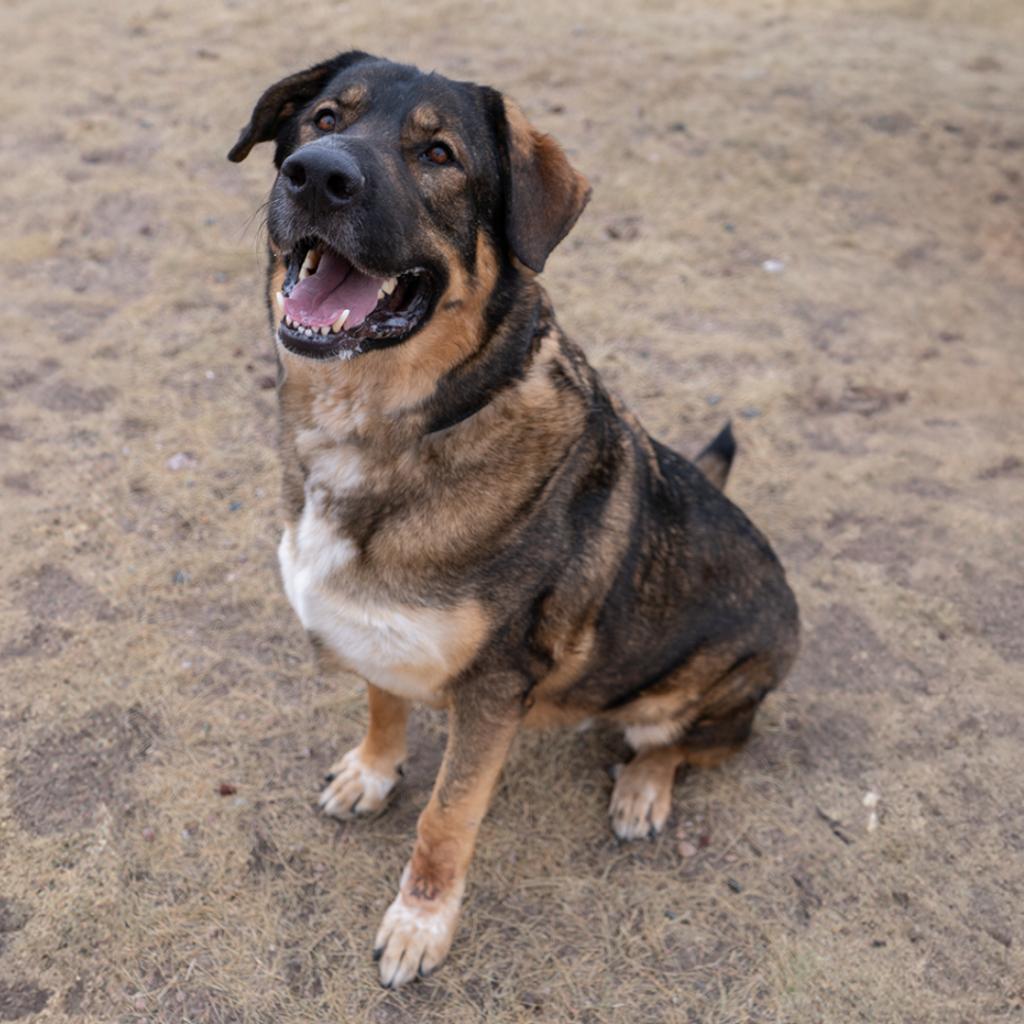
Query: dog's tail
point(715, 460)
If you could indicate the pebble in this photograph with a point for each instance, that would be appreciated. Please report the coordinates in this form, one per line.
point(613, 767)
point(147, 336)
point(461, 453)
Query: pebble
point(181, 460)
point(773, 266)
point(687, 849)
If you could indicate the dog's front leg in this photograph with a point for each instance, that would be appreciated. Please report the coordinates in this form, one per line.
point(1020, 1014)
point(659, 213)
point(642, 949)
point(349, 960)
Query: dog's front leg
point(362, 780)
point(418, 927)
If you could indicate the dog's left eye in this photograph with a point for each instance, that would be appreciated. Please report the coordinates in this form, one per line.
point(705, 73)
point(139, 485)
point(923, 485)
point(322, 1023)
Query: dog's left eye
point(438, 153)
point(325, 121)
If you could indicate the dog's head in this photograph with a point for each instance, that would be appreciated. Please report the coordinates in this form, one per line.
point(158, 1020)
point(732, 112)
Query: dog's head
point(400, 196)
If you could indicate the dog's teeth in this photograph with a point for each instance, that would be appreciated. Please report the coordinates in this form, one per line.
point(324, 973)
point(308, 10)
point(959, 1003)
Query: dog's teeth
point(288, 320)
point(326, 329)
point(340, 322)
point(279, 299)
point(308, 332)
point(389, 286)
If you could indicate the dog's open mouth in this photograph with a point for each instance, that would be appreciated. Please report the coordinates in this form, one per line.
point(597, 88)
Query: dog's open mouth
point(331, 308)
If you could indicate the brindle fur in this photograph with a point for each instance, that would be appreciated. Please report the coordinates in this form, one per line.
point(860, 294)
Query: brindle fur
point(484, 477)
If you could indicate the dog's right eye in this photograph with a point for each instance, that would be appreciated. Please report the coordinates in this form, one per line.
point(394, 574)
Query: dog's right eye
point(325, 121)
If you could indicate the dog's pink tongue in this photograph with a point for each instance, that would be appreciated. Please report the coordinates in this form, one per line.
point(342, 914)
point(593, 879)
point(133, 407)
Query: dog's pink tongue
point(336, 286)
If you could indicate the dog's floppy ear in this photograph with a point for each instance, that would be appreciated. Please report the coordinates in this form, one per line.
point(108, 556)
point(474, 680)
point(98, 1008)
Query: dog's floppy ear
point(283, 98)
point(546, 193)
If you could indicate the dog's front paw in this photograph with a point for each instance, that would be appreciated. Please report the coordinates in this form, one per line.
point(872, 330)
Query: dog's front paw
point(353, 787)
point(415, 935)
point(641, 801)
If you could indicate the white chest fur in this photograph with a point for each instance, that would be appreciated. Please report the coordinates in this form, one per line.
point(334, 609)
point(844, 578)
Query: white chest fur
point(410, 650)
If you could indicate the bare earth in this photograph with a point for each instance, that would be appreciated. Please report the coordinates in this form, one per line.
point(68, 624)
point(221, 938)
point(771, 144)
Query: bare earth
point(162, 732)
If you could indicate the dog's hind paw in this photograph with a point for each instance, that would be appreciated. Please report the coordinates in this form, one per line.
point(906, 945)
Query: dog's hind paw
point(353, 787)
point(641, 800)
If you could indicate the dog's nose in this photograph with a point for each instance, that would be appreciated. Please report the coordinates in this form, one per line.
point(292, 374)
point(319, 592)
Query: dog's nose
point(322, 177)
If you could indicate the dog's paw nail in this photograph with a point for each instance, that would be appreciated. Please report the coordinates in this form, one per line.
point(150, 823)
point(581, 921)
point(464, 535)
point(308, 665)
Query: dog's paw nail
point(329, 778)
point(377, 954)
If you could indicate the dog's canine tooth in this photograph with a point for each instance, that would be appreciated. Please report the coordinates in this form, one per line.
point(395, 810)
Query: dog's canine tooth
point(279, 299)
point(388, 286)
point(340, 322)
point(309, 264)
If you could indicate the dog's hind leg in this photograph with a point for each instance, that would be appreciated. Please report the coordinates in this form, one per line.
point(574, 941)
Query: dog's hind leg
point(362, 780)
point(642, 797)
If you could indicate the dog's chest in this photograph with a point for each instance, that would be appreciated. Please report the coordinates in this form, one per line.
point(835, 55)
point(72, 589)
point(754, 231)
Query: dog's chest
point(405, 647)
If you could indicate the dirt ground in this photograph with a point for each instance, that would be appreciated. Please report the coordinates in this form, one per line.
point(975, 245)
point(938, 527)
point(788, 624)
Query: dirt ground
point(807, 217)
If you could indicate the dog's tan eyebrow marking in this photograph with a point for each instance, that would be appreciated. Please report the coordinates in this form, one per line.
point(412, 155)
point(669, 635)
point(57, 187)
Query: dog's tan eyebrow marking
point(352, 95)
point(426, 119)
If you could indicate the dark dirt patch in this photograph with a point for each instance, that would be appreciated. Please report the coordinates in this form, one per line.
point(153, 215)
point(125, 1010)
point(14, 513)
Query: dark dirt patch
point(997, 613)
point(20, 999)
point(66, 774)
point(20, 483)
point(52, 593)
point(1010, 466)
point(65, 396)
point(897, 123)
point(43, 640)
point(13, 917)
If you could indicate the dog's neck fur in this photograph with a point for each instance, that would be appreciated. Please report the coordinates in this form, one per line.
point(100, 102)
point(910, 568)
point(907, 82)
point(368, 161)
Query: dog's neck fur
point(398, 407)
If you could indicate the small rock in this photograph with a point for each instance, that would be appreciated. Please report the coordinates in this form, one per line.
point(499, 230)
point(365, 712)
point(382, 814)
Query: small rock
point(226, 789)
point(181, 576)
point(713, 399)
point(181, 460)
point(234, 506)
point(687, 849)
point(624, 229)
point(139, 1002)
point(751, 412)
point(773, 266)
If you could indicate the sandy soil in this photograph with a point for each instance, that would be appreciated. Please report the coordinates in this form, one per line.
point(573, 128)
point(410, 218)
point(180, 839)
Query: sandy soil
point(807, 217)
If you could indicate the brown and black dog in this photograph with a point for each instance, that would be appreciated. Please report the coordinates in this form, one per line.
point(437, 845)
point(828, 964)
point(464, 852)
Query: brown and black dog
point(472, 520)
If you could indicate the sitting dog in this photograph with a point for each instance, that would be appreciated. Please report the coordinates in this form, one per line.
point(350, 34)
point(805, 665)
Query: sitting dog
point(473, 521)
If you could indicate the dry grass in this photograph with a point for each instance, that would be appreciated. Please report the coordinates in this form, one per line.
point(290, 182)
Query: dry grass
point(148, 655)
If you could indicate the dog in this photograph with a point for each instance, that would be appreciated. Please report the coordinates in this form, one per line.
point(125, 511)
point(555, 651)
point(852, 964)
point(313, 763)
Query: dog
point(473, 521)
